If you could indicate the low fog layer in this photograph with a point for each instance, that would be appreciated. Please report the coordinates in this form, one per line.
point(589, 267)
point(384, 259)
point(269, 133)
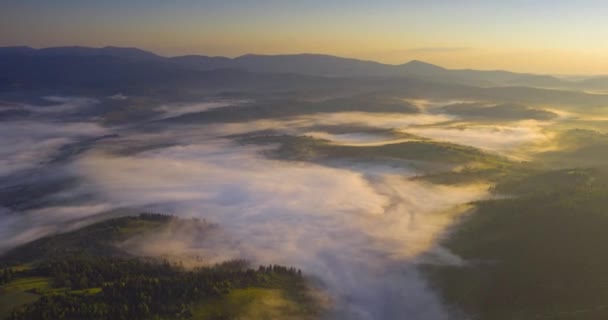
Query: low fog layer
point(176, 110)
point(341, 225)
point(26, 144)
point(359, 229)
point(497, 138)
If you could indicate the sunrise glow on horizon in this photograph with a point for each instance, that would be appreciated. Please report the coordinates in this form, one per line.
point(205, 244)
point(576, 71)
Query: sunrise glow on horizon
point(556, 37)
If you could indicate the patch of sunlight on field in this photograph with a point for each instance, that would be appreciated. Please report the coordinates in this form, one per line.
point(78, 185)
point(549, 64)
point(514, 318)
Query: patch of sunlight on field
point(252, 304)
point(25, 284)
point(20, 268)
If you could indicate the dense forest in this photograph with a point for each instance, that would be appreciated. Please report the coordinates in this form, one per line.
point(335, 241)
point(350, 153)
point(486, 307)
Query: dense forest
point(535, 252)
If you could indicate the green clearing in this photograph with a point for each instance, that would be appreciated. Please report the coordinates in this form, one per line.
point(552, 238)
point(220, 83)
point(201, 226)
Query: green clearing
point(252, 304)
point(25, 284)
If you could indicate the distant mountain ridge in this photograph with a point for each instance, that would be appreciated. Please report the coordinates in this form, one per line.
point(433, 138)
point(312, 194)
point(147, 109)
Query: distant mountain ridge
point(310, 64)
point(122, 64)
point(121, 52)
point(327, 65)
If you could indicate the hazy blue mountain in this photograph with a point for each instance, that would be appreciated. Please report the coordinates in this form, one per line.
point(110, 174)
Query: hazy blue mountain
point(595, 83)
point(422, 68)
point(537, 81)
point(80, 70)
point(308, 64)
point(326, 65)
point(316, 65)
point(202, 62)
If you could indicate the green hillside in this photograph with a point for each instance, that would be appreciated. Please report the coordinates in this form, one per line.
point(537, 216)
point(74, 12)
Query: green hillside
point(83, 275)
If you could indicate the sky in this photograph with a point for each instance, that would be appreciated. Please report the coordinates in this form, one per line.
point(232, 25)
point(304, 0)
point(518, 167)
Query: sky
point(541, 36)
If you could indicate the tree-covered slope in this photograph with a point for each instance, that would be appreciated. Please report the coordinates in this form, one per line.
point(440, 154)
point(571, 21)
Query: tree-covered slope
point(536, 252)
point(84, 275)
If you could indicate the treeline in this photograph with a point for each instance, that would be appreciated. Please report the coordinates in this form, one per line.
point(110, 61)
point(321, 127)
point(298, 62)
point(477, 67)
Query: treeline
point(114, 288)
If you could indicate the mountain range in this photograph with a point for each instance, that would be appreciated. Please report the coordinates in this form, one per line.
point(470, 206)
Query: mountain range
point(308, 64)
point(106, 71)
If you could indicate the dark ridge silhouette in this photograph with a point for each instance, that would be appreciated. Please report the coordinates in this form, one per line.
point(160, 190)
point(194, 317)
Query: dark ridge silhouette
point(311, 64)
point(82, 70)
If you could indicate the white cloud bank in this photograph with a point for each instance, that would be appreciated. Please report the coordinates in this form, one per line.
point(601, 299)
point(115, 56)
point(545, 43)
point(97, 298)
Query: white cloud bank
point(358, 231)
point(28, 144)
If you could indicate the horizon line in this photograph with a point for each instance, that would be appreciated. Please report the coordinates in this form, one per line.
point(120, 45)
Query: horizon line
point(232, 57)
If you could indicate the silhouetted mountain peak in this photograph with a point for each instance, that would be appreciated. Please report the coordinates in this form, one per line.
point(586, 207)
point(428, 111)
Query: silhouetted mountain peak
point(297, 56)
point(128, 52)
point(421, 66)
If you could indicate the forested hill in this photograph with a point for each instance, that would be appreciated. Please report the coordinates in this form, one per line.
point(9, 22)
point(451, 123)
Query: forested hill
point(81, 275)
